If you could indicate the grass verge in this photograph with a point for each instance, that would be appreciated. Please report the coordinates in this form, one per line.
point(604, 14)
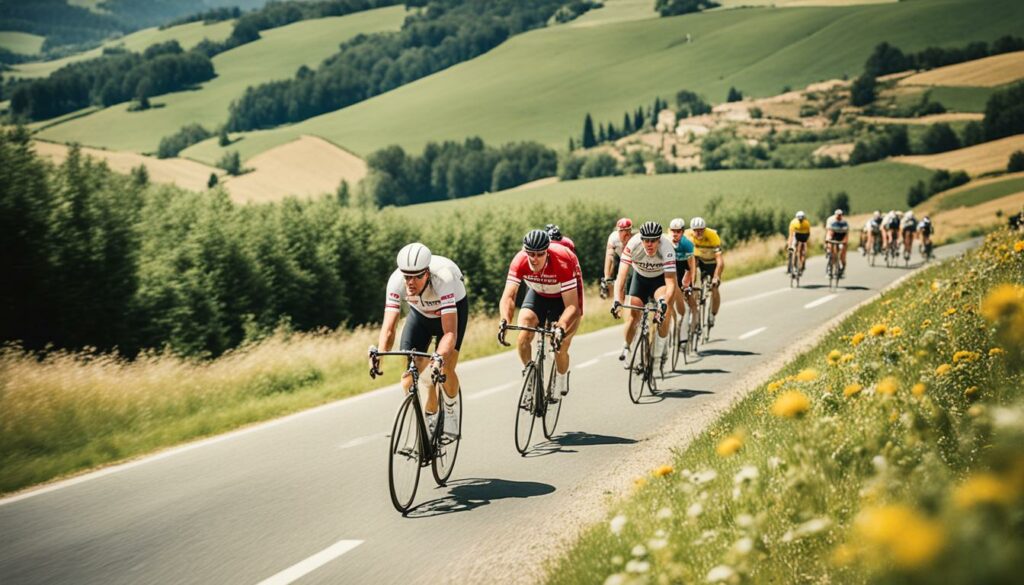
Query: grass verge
point(892, 453)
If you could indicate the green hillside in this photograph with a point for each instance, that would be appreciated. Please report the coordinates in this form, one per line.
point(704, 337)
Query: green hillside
point(963, 99)
point(661, 197)
point(19, 42)
point(538, 85)
point(977, 195)
point(278, 54)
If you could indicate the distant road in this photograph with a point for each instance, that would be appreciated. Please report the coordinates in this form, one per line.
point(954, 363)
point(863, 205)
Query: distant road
point(305, 498)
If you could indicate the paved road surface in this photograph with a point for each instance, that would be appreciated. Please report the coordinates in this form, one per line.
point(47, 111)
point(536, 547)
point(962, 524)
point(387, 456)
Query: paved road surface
point(306, 497)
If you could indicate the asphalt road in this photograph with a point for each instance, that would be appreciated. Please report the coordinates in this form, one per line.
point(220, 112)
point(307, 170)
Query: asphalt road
point(306, 497)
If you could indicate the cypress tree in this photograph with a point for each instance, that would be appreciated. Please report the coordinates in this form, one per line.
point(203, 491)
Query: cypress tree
point(627, 124)
point(602, 136)
point(589, 141)
point(638, 118)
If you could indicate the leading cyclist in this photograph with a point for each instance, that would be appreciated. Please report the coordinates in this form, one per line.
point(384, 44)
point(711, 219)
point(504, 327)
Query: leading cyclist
point(799, 233)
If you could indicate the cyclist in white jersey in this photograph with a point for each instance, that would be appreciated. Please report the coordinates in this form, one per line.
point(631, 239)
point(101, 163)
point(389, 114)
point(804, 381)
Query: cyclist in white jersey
point(613, 250)
point(652, 256)
point(433, 288)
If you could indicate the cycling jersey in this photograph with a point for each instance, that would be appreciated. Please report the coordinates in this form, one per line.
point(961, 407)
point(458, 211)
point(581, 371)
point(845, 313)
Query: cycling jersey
point(560, 273)
point(891, 221)
point(706, 246)
point(440, 295)
point(684, 250)
point(839, 227)
point(908, 224)
point(925, 227)
point(872, 225)
point(615, 243)
point(799, 227)
point(567, 242)
point(663, 260)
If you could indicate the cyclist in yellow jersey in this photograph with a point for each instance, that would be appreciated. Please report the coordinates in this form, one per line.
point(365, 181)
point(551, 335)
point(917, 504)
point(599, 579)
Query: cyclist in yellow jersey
point(707, 248)
point(799, 233)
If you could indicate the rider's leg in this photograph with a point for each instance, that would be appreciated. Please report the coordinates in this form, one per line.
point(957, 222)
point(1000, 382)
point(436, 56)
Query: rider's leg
point(527, 318)
point(451, 383)
point(562, 357)
point(661, 339)
point(842, 255)
point(631, 320)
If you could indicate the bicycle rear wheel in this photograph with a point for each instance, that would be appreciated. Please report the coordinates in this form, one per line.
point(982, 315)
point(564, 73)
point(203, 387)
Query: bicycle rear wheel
point(525, 409)
point(446, 448)
point(552, 409)
point(405, 456)
point(638, 367)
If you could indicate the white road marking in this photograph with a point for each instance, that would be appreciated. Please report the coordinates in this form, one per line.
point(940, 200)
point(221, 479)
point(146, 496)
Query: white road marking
point(612, 352)
point(489, 391)
point(750, 334)
point(755, 297)
point(295, 572)
point(820, 301)
point(362, 440)
point(586, 364)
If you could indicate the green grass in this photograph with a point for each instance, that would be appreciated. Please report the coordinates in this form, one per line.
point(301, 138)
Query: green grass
point(963, 99)
point(539, 85)
point(970, 197)
point(277, 55)
point(19, 42)
point(868, 477)
point(661, 197)
point(188, 35)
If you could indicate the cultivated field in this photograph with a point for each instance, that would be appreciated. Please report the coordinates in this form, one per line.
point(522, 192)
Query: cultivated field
point(188, 35)
point(976, 192)
point(19, 42)
point(518, 92)
point(186, 174)
point(278, 54)
point(988, 72)
point(927, 120)
point(662, 197)
point(962, 99)
point(975, 160)
point(981, 217)
point(306, 167)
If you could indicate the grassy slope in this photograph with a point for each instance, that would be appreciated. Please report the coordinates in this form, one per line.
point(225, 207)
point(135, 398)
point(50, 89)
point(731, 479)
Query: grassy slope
point(871, 186)
point(278, 54)
point(19, 42)
point(970, 197)
point(188, 35)
point(963, 99)
point(520, 92)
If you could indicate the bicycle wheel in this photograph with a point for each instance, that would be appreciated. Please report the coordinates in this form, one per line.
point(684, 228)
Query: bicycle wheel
point(446, 448)
point(552, 409)
point(638, 367)
point(525, 409)
point(652, 380)
point(405, 456)
point(674, 337)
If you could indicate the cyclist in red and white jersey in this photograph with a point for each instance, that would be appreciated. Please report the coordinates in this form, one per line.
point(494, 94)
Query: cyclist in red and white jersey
point(553, 274)
point(617, 241)
point(652, 256)
point(555, 234)
point(434, 289)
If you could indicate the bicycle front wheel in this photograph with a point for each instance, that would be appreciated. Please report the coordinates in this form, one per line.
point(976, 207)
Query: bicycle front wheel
point(674, 337)
point(525, 410)
point(638, 367)
point(446, 447)
point(405, 456)
point(554, 405)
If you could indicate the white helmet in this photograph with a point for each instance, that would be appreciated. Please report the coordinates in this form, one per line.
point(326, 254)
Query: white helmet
point(839, 211)
point(414, 258)
point(909, 214)
point(677, 224)
point(876, 214)
point(800, 215)
point(697, 223)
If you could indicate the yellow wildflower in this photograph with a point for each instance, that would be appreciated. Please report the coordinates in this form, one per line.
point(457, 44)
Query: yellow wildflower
point(844, 555)
point(877, 329)
point(935, 285)
point(995, 351)
point(807, 375)
point(663, 470)
point(856, 339)
point(969, 356)
point(983, 488)
point(896, 331)
point(971, 392)
point(791, 404)
point(888, 386)
point(926, 323)
point(1018, 246)
point(906, 537)
point(1004, 301)
point(943, 369)
point(639, 482)
point(950, 311)
point(773, 386)
point(918, 389)
point(729, 446)
point(852, 389)
point(833, 356)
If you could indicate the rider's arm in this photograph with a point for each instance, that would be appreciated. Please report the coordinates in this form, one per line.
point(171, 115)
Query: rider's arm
point(609, 261)
point(620, 282)
point(571, 314)
point(719, 265)
point(507, 305)
point(387, 330)
point(450, 329)
point(688, 278)
point(670, 284)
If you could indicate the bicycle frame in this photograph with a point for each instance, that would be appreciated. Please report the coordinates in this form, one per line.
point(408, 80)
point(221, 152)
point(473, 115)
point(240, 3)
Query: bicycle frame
point(436, 378)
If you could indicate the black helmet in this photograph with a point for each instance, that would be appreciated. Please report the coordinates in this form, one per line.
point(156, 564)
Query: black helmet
point(651, 230)
point(536, 241)
point(553, 232)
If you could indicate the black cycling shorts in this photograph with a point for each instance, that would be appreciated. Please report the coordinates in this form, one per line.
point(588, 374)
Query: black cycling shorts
point(909, 229)
point(547, 309)
point(644, 287)
point(419, 331)
point(801, 237)
point(707, 268)
point(681, 267)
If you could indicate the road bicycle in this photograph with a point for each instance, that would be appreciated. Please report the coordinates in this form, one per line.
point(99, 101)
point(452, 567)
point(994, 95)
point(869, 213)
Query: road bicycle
point(641, 365)
point(702, 334)
point(892, 251)
point(537, 399)
point(413, 446)
point(832, 266)
point(926, 250)
point(679, 325)
point(876, 248)
point(794, 271)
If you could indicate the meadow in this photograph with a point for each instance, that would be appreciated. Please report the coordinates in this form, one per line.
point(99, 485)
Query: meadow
point(519, 92)
point(892, 452)
point(980, 159)
point(20, 42)
point(962, 99)
point(278, 54)
point(968, 196)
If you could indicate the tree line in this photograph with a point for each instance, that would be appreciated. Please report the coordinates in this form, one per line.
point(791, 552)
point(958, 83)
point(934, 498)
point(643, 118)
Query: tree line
point(632, 122)
point(97, 259)
point(441, 34)
point(677, 7)
point(451, 170)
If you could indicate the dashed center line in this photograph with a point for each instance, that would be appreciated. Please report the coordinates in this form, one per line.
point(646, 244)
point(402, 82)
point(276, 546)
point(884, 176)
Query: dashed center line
point(820, 301)
point(587, 364)
point(750, 334)
point(297, 571)
point(362, 440)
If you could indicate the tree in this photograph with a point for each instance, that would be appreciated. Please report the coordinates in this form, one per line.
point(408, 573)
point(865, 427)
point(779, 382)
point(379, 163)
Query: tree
point(140, 176)
point(344, 195)
point(734, 95)
point(677, 7)
point(887, 59)
point(627, 124)
point(834, 201)
point(589, 140)
point(939, 138)
point(602, 136)
point(862, 92)
point(231, 162)
point(973, 134)
point(1004, 113)
point(1016, 162)
point(638, 119)
point(212, 181)
point(222, 138)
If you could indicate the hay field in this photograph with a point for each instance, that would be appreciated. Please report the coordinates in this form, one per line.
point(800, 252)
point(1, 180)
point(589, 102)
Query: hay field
point(988, 72)
point(277, 55)
point(976, 192)
point(305, 167)
point(975, 160)
point(20, 42)
point(977, 218)
point(186, 174)
point(927, 120)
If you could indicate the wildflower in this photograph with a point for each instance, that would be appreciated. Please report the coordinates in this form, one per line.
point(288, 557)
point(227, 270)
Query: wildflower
point(856, 339)
point(1003, 302)
point(847, 357)
point(807, 375)
point(635, 566)
point(901, 533)
point(852, 389)
point(877, 329)
point(842, 556)
point(638, 551)
point(639, 482)
point(926, 323)
point(943, 369)
point(720, 573)
point(695, 510)
point(950, 311)
point(663, 470)
point(1018, 246)
point(744, 545)
point(615, 579)
point(773, 386)
point(888, 386)
point(936, 285)
point(809, 528)
point(918, 389)
point(965, 355)
point(791, 404)
point(984, 488)
point(971, 392)
point(664, 514)
point(617, 524)
point(657, 543)
point(744, 521)
point(729, 446)
point(834, 356)
point(995, 351)
point(746, 474)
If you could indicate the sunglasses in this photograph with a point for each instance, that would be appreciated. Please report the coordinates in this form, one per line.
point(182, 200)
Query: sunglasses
point(536, 254)
point(418, 276)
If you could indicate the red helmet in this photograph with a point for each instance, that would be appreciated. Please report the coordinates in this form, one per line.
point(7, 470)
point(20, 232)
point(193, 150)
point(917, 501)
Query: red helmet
point(624, 224)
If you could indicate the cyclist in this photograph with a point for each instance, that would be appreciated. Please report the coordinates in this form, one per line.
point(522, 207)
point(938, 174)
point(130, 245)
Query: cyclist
point(555, 234)
point(908, 226)
point(613, 251)
point(890, 227)
point(708, 250)
point(553, 274)
point(686, 267)
point(434, 289)
point(799, 233)
point(926, 228)
point(652, 257)
point(873, 229)
point(837, 231)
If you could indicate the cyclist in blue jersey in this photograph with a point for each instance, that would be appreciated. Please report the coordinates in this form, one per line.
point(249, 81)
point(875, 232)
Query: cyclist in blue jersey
point(686, 265)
